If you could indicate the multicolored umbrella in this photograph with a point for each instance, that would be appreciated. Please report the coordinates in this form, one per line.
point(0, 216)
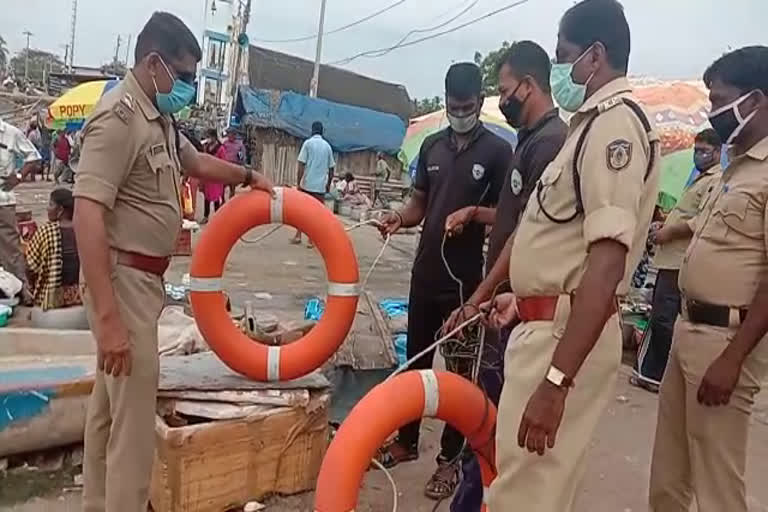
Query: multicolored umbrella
point(74, 106)
point(680, 111)
point(678, 108)
point(422, 127)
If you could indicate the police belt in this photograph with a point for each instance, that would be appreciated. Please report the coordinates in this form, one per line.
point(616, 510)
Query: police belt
point(543, 309)
point(155, 265)
point(711, 314)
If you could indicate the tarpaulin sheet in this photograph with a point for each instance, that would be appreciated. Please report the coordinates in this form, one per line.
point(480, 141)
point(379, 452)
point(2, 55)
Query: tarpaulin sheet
point(346, 128)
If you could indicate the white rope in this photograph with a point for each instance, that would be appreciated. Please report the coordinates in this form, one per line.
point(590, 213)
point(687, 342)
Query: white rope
point(376, 261)
point(261, 237)
point(435, 344)
point(369, 222)
point(391, 482)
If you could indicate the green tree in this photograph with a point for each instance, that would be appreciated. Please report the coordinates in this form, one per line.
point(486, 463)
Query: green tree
point(3, 56)
point(427, 106)
point(489, 66)
point(40, 64)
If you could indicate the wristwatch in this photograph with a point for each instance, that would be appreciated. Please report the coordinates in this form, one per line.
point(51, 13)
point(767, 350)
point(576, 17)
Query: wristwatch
point(558, 378)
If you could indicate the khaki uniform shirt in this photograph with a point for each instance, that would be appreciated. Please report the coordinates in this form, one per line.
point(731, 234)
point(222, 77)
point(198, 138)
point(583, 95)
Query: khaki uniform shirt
point(670, 256)
point(728, 255)
point(129, 164)
point(550, 258)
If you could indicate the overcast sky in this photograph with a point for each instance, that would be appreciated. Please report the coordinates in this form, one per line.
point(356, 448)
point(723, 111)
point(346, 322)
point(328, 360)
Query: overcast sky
point(670, 38)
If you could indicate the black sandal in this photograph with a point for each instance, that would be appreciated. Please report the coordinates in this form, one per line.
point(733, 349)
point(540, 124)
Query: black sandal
point(386, 458)
point(443, 482)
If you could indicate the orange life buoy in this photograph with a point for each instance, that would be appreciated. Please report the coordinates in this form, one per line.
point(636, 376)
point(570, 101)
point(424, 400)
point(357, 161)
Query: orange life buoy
point(252, 359)
point(391, 405)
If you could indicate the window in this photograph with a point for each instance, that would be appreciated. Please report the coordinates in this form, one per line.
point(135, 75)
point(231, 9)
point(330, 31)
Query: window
point(217, 50)
point(211, 92)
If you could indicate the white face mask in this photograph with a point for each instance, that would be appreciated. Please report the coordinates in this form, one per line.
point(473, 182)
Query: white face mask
point(464, 124)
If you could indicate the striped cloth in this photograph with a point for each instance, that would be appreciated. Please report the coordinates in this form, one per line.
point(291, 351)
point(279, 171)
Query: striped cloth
point(45, 260)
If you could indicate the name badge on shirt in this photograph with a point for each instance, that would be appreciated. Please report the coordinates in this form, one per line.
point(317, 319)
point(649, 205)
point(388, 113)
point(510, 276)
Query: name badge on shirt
point(157, 149)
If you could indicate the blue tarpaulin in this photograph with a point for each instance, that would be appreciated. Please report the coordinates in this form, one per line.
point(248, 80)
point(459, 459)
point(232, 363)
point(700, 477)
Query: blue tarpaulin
point(346, 128)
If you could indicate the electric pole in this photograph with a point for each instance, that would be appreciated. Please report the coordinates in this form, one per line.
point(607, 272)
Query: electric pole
point(128, 49)
point(73, 29)
point(117, 49)
point(26, 56)
point(313, 85)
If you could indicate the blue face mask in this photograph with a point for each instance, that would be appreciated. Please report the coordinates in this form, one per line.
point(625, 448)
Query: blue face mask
point(567, 93)
point(180, 96)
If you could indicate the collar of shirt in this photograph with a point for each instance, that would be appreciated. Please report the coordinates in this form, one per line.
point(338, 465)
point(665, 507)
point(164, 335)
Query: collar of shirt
point(524, 133)
point(475, 134)
point(137, 93)
point(759, 151)
point(609, 90)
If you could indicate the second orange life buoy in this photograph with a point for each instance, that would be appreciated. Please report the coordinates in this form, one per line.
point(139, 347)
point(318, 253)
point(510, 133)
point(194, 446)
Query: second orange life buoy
point(235, 349)
point(391, 405)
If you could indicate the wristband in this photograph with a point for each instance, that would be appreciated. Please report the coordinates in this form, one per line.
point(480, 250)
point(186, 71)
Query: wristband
point(400, 216)
point(248, 176)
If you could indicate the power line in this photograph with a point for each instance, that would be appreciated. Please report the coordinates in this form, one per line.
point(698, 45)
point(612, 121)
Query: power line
point(383, 51)
point(336, 30)
point(432, 29)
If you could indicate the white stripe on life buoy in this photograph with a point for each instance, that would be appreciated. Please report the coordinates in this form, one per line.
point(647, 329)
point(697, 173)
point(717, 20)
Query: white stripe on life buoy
point(273, 364)
point(343, 289)
point(205, 284)
point(276, 207)
point(431, 393)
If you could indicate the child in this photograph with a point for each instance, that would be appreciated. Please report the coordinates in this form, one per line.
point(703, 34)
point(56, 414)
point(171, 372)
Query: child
point(213, 193)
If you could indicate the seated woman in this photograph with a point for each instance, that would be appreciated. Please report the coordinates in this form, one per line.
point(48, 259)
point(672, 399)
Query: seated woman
point(54, 268)
point(347, 191)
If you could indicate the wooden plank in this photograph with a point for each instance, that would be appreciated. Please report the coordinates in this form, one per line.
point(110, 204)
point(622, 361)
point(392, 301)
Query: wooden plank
point(382, 327)
point(205, 372)
point(274, 397)
point(221, 411)
point(365, 347)
point(20, 341)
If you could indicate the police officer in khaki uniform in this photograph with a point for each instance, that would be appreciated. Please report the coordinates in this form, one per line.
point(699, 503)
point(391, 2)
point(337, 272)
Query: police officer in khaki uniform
point(581, 236)
point(719, 355)
point(672, 241)
point(127, 221)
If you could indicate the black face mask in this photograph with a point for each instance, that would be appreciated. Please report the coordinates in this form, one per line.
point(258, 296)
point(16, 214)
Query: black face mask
point(703, 160)
point(512, 109)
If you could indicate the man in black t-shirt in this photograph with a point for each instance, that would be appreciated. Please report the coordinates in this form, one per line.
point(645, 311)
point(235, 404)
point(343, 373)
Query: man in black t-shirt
point(461, 166)
point(526, 102)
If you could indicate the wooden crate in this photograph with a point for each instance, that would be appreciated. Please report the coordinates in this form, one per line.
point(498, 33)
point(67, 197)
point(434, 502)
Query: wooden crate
point(218, 465)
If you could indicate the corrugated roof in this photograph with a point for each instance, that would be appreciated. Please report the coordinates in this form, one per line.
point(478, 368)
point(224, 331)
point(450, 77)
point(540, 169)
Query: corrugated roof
point(269, 69)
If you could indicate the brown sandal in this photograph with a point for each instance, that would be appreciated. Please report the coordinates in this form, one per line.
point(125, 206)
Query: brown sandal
point(393, 453)
point(443, 483)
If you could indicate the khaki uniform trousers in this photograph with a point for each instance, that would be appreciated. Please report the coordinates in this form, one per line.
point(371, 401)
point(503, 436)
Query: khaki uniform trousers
point(700, 450)
point(11, 258)
point(120, 424)
point(533, 483)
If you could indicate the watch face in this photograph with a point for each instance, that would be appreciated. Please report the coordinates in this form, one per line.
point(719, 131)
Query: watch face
point(556, 377)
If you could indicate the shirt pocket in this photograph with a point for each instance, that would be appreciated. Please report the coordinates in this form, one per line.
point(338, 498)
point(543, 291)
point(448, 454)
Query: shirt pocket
point(156, 172)
point(739, 214)
point(547, 193)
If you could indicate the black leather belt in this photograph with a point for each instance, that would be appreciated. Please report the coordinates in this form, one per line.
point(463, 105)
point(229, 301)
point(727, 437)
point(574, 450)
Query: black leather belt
point(711, 314)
